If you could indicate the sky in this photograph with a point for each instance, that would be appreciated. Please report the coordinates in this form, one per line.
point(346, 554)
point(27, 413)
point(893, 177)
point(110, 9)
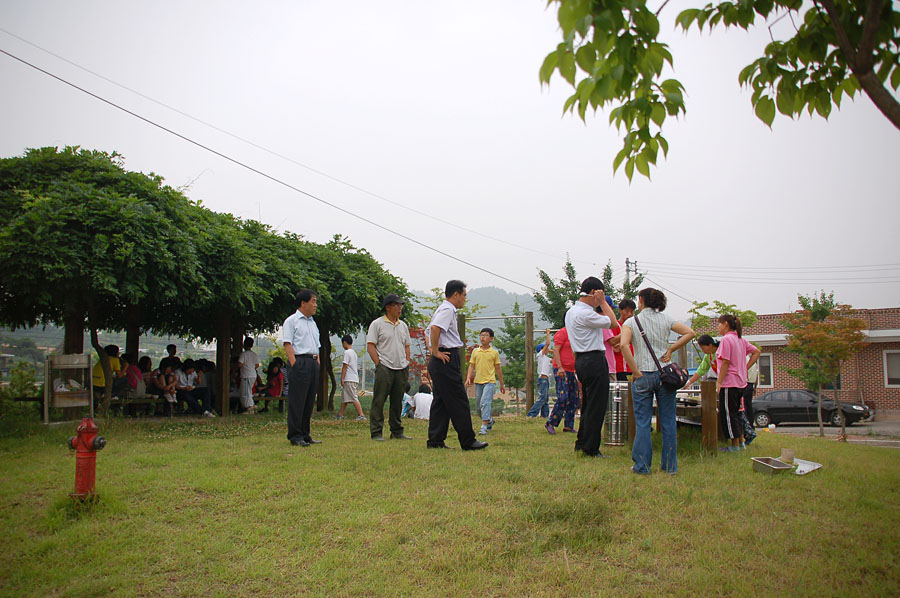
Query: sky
point(429, 119)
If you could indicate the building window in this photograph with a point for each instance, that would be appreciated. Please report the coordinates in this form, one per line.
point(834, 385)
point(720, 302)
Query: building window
point(765, 370)
point(892, 369)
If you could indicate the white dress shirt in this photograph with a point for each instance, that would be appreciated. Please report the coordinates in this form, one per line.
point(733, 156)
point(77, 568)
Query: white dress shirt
point(445, 319)
point(585, 328)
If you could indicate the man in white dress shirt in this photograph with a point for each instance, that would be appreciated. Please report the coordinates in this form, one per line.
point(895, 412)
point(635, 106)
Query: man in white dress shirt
point(585, 327)
point(301, 343)
point(451, 402)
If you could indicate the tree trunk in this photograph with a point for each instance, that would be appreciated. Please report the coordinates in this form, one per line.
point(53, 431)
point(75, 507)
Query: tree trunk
point(837, 403)
point(819, 410)
point(223, 362)
point(73, 344)
point(104, 363)
point(133, 330)
point(324, 362)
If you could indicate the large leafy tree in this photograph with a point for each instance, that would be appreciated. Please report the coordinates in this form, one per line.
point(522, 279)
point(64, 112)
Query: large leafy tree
point(83, 238)
point(823, 334)
point(612, 57)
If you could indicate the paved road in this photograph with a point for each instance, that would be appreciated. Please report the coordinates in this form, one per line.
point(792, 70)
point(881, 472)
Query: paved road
point(867, 432)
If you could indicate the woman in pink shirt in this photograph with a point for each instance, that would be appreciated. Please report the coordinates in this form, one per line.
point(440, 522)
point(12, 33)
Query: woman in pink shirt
point(731, 357)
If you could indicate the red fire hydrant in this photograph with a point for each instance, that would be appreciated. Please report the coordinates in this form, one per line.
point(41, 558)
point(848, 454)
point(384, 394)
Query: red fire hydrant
point(86, 444)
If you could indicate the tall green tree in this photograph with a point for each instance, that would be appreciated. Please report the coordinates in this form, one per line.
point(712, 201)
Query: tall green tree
point(612, 57)
point(557, 295)
point(510, 341)
point(823, 334)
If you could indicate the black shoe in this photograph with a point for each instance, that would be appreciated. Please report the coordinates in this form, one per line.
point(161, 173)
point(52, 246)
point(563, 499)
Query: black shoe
point(378, 437)
point(299, 442)
point(438, 446)
point(597, 455)
point(400, 436)
point(476, 445)
point(311, 441)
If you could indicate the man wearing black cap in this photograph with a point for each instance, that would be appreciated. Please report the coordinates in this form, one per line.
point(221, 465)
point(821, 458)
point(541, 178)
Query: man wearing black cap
point(388, 345)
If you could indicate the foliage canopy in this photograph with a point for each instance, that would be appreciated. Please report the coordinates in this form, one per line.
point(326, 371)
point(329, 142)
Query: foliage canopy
point(612, 57)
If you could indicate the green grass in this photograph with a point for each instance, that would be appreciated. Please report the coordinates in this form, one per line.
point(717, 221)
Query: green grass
point(229, 508)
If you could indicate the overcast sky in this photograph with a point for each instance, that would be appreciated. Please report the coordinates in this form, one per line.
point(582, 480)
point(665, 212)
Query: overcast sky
point(438, 107)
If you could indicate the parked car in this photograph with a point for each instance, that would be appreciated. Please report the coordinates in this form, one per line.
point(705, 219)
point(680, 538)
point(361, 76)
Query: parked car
point(800, 406)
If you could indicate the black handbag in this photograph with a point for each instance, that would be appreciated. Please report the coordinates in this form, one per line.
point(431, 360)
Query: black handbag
point(673, 376)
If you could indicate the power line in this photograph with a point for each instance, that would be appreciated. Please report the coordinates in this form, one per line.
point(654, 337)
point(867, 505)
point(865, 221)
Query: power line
point(794, 281)
point(284, 157)
point(648, 279)
point(779, 269)
point(265, 175)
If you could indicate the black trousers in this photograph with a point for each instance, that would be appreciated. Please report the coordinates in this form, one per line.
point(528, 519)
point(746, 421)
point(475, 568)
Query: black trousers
point(729, 412)
point(303, 379)
point(451, 402)
point(748, 401)
point(199, 399)
point(593, 372)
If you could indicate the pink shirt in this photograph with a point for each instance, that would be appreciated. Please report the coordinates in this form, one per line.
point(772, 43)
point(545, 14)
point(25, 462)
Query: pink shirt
point(735, 349)
point(608, 333)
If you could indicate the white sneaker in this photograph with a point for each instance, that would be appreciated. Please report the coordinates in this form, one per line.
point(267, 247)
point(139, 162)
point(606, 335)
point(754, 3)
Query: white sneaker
point(208, 414)
point(360, 418)
point(483, 430)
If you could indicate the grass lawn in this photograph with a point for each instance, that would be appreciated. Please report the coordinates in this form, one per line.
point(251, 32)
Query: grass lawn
point(229, 508)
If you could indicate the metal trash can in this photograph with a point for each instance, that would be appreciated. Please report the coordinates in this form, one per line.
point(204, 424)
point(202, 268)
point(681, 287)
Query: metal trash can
point(615, 426)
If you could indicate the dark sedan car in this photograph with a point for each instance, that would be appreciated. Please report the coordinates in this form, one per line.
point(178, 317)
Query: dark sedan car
point(800, 406)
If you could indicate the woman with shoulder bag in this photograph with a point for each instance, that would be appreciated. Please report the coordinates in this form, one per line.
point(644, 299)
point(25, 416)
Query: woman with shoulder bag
point(650, 329)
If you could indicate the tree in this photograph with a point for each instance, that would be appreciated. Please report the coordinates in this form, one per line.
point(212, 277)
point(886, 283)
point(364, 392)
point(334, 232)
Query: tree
point(704, 316)
point(839, 48)
point(510, 341)
point(84, 238)
point(824, 335)
point(557, 296)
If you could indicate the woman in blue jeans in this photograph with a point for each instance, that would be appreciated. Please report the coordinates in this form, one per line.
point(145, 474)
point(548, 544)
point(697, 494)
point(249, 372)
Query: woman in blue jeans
point(646, 383)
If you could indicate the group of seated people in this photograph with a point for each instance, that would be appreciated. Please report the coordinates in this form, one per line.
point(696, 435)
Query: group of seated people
point(174, 380)
point(191, 382)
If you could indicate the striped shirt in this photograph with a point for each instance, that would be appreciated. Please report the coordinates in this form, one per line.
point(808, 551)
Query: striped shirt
point(657, 326)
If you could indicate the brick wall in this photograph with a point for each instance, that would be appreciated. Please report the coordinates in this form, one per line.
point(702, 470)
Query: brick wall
point(862, 378)
point(876, 319)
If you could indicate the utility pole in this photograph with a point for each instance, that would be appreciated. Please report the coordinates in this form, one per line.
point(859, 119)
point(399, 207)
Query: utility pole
point(627, 272)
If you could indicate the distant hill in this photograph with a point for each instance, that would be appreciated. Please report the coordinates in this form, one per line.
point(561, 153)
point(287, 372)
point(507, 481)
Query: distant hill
point(498, 302)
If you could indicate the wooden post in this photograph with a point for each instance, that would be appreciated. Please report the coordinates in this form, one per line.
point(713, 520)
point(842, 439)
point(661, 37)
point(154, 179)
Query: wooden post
point(630, 409)
point(709, 417)
point(223, 362)
point(529, 360)
point(461, 325)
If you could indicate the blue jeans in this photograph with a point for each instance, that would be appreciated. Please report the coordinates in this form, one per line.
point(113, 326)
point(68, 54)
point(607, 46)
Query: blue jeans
point(642, 392)
point(484, 395)
point(540, 406)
